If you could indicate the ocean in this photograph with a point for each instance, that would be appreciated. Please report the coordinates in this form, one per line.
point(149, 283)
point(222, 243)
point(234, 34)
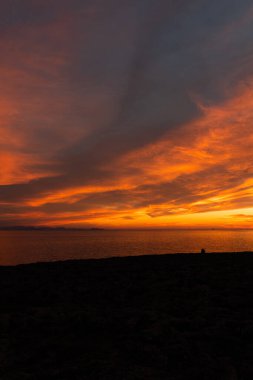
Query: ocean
point(21, 247)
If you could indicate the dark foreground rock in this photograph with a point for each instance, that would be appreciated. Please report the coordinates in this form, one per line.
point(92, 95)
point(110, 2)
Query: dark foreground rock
point(154, 317)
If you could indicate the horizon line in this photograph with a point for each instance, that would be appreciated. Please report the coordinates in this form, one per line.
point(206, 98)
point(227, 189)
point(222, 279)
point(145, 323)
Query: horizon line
point(63, 228)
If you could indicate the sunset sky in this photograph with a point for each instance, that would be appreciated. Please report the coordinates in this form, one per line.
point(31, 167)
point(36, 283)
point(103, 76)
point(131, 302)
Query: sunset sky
point(126, 114)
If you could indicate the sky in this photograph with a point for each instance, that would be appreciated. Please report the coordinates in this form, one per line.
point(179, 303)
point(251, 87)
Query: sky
point(126, 114)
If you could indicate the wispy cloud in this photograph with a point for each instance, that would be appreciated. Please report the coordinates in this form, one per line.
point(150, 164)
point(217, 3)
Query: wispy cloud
point(138, 114)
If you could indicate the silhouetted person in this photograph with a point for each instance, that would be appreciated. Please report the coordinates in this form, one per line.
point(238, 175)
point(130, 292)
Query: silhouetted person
point(203, 250)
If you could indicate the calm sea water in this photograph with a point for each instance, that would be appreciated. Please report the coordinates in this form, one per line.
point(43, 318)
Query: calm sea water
point(18, 247)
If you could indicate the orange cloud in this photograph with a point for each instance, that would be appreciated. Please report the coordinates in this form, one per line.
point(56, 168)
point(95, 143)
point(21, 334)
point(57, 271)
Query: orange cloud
point(72, 195)
point(211, 158)
point(199, 173)
point(34, 99)
point(20, 168)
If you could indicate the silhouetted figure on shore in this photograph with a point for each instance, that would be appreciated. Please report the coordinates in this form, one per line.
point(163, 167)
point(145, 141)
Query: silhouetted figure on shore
point(203, 250)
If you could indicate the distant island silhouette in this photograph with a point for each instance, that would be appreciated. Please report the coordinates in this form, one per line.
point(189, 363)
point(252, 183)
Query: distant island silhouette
point(46, 228)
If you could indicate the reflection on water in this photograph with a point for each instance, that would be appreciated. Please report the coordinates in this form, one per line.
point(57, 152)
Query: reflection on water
point(30, 246)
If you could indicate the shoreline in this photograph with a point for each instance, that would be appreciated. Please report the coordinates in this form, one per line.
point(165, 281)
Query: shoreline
point(125, 258)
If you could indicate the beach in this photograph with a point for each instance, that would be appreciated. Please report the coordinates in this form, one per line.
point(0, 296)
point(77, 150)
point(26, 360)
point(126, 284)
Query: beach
point(185, 316)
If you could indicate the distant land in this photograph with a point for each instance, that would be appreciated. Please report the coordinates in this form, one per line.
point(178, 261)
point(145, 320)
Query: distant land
point(45, 228)
point(59, 228)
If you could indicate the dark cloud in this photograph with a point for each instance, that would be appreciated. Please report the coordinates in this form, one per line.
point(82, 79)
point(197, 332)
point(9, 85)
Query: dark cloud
point(89, 82)
point(173, 56)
